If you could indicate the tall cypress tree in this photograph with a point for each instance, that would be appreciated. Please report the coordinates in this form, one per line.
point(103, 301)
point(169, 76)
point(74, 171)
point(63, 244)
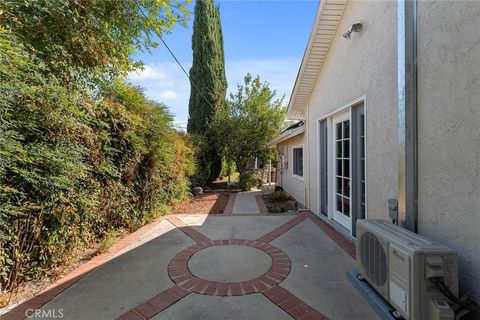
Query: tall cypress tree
point(208, 83)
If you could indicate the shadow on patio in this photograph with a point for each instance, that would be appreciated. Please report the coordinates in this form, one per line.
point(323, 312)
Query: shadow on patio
point(247, 267)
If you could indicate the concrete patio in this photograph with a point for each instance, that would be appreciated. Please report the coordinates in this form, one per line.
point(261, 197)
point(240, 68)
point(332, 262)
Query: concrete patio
point(244, 266)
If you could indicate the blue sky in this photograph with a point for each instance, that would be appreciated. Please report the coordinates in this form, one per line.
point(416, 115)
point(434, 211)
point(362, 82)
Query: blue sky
point(267, 38)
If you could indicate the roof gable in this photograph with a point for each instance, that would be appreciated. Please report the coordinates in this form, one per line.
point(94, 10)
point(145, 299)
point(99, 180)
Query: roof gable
point(328, 18)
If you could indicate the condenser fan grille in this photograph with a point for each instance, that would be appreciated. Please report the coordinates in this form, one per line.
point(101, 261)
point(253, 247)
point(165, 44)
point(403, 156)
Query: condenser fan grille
point(373, 259)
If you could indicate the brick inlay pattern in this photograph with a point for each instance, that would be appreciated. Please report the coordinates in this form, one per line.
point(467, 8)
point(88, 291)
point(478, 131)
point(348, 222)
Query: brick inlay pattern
point(275, 233)
point(20, 311)
point(189, 231)
point(230, 204)
point(261, 205)
point(292, 305)
point(156, 304)
point(267, 284)
point(263, 211)
point(181, 275)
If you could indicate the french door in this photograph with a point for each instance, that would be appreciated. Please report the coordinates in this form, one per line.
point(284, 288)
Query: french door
point(342, 179)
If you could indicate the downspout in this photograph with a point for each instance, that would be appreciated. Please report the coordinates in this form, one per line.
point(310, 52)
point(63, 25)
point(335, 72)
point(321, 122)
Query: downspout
point(307, 145)
point(407, 114)
point(284, 167)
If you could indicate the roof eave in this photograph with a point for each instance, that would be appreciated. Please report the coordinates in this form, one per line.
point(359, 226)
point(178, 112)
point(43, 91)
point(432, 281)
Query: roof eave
point(287, 135)
point(296, 109)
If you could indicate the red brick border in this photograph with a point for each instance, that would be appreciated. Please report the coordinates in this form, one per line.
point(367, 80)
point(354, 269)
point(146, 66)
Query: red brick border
point(267, 284)
point(180, 274)
point(263, 211)
point(47, 294)
point(278, 214)
point(156, 304)
point(230, 204)
point(275, 233)
point(261, 205)
point(189, 231)
point(292, 305)
point(345, 244)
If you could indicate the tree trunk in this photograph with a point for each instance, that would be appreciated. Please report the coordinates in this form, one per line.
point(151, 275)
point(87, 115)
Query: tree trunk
point(229, 171)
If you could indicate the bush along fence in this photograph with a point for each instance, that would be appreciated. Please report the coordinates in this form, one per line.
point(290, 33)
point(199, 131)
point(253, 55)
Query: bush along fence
point(77, 163)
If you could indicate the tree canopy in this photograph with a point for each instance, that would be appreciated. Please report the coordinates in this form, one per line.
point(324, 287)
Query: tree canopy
point(207, 76)
point(251, 118)
point(208, 85)
point(99, 36)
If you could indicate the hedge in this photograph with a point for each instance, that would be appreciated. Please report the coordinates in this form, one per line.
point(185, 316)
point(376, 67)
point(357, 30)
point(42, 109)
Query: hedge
point(77, 163)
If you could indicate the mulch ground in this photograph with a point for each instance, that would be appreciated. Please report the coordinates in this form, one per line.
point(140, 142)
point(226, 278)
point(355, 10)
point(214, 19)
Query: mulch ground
point(210, 203)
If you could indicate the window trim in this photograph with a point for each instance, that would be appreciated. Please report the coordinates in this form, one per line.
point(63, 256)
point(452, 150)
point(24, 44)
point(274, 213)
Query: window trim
point(357, 111)
point(322, 164)
point(344, 108)
point(342, 219)
point(298, 146)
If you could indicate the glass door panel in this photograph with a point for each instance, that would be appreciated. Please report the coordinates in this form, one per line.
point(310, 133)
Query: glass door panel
point(342, 163)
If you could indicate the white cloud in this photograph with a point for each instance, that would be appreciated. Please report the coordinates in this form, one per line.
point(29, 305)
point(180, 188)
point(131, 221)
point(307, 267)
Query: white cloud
point(169, 94)
point(147, 73)
point(166, 82)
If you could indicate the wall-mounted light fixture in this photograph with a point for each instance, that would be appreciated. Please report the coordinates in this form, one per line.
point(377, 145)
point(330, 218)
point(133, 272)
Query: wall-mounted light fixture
point(356, 27)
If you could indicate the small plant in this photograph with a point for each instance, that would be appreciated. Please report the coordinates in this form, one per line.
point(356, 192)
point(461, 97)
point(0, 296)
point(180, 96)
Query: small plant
point(279, 196)
point(274, 208)
point(108, 241)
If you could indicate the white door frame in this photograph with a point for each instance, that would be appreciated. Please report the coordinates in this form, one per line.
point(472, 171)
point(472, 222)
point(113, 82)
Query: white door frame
point(339, 217)
point(345, 109)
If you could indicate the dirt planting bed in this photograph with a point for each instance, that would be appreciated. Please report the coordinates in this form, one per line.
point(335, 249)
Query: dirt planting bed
point(209, 203)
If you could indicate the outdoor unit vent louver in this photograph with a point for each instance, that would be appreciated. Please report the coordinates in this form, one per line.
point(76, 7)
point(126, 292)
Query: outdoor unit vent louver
point(402, 266)
point(374, 259)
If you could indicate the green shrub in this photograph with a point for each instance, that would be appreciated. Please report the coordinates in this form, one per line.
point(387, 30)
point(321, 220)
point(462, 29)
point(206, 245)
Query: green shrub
point(245, 181)
point(224, 171)
point(279, 196)
point(77, 165)
point(108, 241)
point(249, 180)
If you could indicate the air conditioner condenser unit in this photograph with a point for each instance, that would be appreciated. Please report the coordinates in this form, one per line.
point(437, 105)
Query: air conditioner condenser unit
point(407, 270)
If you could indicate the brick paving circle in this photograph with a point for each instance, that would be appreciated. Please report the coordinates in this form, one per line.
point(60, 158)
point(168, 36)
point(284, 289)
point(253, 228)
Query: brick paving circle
point(179, 272)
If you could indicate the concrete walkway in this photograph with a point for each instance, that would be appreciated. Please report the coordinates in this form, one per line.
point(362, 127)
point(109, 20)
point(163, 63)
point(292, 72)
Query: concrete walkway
point(215, 267)
point(246, 203)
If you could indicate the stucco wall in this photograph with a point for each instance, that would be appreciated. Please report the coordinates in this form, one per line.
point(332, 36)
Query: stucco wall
point(364, 65)
point(290, 183)
point(449, 131)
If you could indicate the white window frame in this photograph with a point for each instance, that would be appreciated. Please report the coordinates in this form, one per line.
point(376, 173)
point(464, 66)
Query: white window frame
point(337, 215)
point(298, 146)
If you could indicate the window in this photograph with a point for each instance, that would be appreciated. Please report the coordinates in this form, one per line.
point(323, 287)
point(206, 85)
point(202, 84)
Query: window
point(298, 161)
point(342, 167)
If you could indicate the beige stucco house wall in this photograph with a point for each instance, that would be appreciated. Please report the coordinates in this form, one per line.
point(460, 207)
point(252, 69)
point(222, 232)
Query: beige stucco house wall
point(364, 69)
point(449, 131)
point(355, 69)
point(294, 185)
